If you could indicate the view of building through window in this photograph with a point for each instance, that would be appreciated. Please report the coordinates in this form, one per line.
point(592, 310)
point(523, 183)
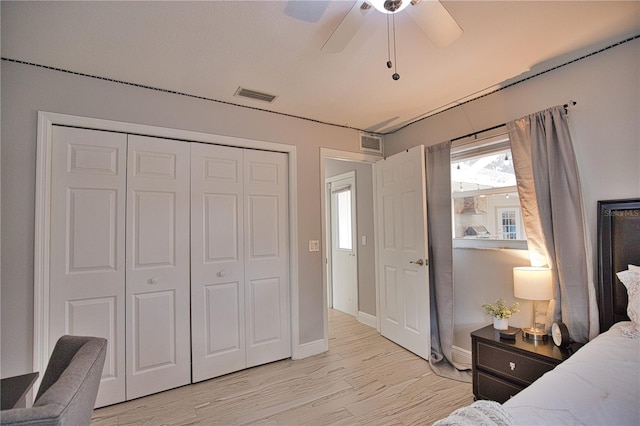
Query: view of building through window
point(486, 206)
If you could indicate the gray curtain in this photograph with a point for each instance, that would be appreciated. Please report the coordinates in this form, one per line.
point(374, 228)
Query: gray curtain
point(441, 261)
point(551, 202)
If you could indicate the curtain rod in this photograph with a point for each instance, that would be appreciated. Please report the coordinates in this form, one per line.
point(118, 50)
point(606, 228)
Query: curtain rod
point(566, 107)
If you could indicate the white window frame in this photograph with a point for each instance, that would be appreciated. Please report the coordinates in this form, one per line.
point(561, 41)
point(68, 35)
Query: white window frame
point(485, 147)
point(517, 216)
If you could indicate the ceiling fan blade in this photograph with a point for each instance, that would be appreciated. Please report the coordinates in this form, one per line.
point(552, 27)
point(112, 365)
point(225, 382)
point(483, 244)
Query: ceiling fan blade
point(308, 11)
point(348, 28)
point(435, 21)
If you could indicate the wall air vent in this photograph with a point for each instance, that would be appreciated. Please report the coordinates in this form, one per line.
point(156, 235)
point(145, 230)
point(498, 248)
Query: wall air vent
point(254, 94)
point(371, 143)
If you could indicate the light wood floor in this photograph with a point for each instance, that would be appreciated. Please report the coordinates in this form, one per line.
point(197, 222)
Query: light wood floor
point(362, 379)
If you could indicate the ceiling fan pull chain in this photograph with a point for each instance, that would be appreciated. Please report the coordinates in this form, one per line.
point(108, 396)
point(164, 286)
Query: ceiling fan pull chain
point(395, 75)
point(389, 63)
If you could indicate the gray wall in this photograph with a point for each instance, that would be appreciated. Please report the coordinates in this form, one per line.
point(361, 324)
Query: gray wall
point(606, 135)
point(604, 127)
point(477, 283)
point(364, 210)
point(27, 89)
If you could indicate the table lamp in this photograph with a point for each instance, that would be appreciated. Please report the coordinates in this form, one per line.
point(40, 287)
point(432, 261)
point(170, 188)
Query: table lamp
point(533, 283)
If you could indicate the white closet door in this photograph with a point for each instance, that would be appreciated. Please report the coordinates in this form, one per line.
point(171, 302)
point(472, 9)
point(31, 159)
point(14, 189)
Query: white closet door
point(239, 259)
point(266, 240)
point(157, 276)
point(87, 263)
point(217, 261)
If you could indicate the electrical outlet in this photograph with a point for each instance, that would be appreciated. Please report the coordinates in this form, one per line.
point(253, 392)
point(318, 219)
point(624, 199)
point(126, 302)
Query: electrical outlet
point(364, 240)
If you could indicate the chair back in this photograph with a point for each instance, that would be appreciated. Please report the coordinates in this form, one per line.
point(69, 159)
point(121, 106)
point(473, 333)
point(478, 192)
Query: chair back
point(69, 386)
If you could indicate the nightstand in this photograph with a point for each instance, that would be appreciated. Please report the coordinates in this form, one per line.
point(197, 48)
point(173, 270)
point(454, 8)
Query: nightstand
point(502, 368)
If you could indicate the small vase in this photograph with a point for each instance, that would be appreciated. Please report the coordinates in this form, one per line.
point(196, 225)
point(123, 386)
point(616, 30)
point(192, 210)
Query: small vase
point(500, 323)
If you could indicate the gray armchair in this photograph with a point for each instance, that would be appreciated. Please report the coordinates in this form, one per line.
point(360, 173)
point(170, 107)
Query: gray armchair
point(69, 386)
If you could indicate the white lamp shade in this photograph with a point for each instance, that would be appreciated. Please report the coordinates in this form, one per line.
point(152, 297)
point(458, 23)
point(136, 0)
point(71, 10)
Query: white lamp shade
point(532, 283)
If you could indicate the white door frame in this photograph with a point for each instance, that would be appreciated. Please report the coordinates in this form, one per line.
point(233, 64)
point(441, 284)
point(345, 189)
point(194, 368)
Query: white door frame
point(358, 157)
point(329, 250)
point(46, 121)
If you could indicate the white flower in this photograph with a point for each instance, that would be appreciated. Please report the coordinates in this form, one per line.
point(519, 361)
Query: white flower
point(500, 309)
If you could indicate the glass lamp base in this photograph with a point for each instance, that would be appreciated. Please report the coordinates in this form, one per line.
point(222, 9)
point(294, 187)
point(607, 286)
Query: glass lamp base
point(535, 334)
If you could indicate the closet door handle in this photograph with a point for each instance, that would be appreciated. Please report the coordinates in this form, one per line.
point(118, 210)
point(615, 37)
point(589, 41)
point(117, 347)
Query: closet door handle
point(152, 281)
point(222, 273)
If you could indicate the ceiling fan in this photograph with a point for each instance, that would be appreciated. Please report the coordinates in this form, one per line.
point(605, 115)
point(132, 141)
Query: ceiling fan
point(430, 15)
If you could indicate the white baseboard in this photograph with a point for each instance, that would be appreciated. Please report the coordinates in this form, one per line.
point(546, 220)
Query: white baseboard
point(367, 319)
point(309, 349)
point(461, 356)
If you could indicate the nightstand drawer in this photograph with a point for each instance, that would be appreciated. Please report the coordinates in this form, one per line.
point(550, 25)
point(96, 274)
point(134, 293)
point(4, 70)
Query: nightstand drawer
point(493, 388)
point(510, 364)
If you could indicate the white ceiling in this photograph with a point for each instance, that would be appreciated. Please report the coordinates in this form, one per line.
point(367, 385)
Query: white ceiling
point(210, 48)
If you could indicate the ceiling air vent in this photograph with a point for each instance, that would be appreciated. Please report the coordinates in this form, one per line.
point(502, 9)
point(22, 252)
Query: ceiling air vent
point(371, 143)
point(254, 94)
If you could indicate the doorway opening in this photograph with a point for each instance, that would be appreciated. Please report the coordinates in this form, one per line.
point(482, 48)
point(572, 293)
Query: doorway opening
point(342, 254)
point(332, 164)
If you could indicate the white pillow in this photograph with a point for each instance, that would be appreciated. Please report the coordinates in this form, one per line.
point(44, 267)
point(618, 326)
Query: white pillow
point(634, 268)
point(631, 280)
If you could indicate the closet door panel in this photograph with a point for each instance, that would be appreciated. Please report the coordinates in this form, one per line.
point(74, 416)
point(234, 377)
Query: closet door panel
point(154, 328)
point(222, 306)
point(221, 227)
point(217, 261)
point(87, 257)
point(264, 227)
point(267, 261)
point(92, 217)
point(265, 309)
point(154, 226)
point(158, 267)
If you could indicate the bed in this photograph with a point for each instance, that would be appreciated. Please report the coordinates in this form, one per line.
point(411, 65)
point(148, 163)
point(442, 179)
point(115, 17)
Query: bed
point(600, 383)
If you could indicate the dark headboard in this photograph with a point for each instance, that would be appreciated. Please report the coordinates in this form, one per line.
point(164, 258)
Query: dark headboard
point(618, 246)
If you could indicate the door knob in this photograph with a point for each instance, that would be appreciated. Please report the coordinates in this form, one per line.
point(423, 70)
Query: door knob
point(222, 273)
point(152, 281)
point(418, 262)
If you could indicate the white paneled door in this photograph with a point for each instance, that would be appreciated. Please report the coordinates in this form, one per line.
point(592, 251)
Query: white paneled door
point(217, 261)
point(239, 259)
point(158, 265)
point(344, 262)
point(175, 252)
point(266, 241)
point(87, 256)
point(402, 255)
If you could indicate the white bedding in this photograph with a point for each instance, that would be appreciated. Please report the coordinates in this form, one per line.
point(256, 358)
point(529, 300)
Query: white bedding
point(598, 385)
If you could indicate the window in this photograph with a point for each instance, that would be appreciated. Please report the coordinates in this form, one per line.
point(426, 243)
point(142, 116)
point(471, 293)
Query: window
point(486, 206)
point(507, 225)
point(343, 199)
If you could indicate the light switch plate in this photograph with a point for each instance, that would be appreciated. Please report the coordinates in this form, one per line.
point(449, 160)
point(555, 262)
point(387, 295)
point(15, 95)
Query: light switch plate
point(314, 245)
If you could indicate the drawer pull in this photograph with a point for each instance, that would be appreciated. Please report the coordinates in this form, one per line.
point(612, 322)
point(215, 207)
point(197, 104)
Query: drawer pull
point(512, 366)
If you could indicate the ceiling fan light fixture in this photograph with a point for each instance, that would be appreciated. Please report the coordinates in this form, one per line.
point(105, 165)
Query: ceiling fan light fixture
point(390, 6)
